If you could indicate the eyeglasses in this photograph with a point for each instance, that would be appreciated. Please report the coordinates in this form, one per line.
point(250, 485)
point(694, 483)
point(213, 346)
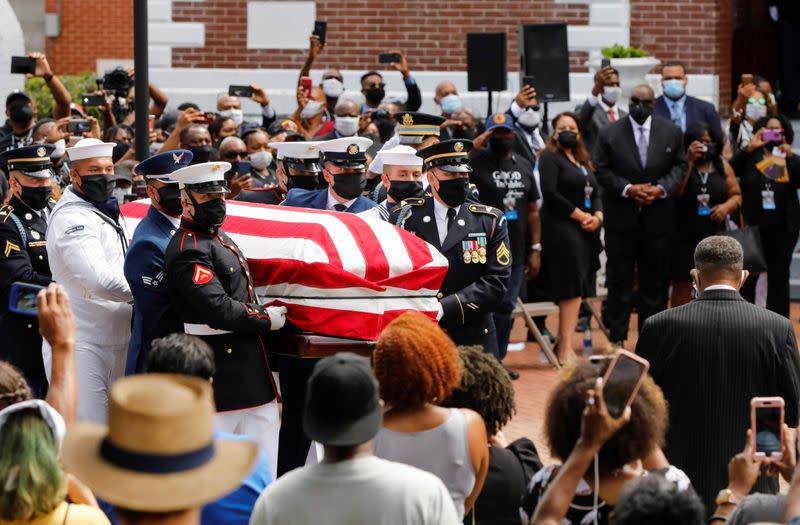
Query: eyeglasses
point(234, 154)
point(752, 100)
point(376, 85)
point(642, 101)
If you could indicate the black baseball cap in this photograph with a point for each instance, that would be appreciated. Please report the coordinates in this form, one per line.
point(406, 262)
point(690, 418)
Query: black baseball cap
point(342, 401)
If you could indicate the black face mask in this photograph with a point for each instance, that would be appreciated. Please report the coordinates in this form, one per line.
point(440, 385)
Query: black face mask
point(169, 197)
point(639, 114)
point(400, 190)
point(375, 95)
point(453, 192)
point(209, 214)
point(385, 128)
point(21, 114)
point(501, 146)
point(304, 182)
point(567, 139)
point(36, 198)
point(349, 185)
point(97, 188)
point(202, 154)
point(772, 145)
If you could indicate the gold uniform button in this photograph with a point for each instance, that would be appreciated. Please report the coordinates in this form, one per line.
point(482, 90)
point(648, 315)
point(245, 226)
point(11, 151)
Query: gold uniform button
point(41, 257)
point(485, 330)
point(230, 350)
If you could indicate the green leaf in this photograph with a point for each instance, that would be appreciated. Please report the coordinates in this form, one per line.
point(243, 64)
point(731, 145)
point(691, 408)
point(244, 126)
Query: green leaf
point(75, 84)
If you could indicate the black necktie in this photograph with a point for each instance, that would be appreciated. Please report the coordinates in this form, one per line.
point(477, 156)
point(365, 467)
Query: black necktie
point(451, 216)
point(339, 207)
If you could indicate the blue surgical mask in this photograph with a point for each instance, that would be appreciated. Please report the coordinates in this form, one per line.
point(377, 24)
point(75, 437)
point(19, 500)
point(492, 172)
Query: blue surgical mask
point(674, 88)
point(450, 104)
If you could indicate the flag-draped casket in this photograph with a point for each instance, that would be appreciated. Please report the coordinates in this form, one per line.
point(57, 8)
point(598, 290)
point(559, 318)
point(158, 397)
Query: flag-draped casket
point(337, 273)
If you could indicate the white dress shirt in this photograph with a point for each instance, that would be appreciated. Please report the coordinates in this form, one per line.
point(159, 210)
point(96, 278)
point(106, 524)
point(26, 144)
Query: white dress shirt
point(636, 134)
point(440, 212)
point(719, 287)
point(333, 202)
point(533, 139)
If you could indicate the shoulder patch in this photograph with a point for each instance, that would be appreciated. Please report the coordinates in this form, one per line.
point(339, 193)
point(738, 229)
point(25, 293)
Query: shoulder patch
point(487, 210)
point(74, 229)
point(201, 275)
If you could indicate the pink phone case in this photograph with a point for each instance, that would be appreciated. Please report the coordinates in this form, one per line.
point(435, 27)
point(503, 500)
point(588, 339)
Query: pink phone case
point(628, 355)
point(756, 403)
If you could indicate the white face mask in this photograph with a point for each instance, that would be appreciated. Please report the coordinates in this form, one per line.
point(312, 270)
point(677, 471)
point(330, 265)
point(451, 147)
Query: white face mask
point(755, 111)
point(611, 94)
point(261, 160)
point(120, 193)
point(237, 115)
point(312, 109)
point(332, 87)
point(530, 118)
point(346, 126)
point(61, 148)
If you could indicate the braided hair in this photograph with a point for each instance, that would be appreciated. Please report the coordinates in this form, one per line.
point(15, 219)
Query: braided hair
point(13, 387)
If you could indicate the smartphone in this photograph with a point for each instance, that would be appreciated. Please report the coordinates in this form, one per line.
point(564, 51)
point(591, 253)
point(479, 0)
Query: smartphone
point(747, 78)
point(240, 91)
point(244, 167)
point(770, 135)
point(208, 118)
point(90, 99)
point(766, 419)
point(529, 80)
point(389, 58)
point(151, 121)
point(305, 84)
point(622, 380)
point(22, 298)
point(606, 62)
point(321, 29)
point(78, 126)
point(23, 65)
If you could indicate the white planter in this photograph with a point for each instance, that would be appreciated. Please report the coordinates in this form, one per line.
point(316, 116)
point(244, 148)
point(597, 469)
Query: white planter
point(632, 71)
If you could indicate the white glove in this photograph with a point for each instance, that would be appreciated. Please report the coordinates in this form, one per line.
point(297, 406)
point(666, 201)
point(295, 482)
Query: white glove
point(440, 313)
point(277, 317)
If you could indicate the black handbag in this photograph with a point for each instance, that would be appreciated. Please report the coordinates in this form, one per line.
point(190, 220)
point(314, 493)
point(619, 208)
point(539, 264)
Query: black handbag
point(750, 239)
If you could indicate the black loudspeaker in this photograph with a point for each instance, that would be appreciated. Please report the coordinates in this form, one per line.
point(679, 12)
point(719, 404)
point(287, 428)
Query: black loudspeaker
point(544, 59)
point(487, 62)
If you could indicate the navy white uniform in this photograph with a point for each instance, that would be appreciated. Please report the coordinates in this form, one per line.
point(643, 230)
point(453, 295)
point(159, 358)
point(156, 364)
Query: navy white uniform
point(23, 258)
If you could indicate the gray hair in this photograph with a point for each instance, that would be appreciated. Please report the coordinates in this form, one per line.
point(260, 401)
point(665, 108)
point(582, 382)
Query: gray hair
point(719, 251)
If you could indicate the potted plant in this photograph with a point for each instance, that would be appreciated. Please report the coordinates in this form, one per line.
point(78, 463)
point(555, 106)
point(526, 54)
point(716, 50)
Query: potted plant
point(632, 63)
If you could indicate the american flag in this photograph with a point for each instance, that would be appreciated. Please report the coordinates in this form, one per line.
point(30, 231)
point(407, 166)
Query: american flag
point(338, 274)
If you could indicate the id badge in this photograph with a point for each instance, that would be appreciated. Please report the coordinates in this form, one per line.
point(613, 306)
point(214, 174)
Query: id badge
point(703, 208)
point(768, 200)
point(512, 215)
point(587, 197)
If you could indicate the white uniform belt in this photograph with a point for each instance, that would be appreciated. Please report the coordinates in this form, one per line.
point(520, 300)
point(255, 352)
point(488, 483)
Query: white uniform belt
point(202, 329)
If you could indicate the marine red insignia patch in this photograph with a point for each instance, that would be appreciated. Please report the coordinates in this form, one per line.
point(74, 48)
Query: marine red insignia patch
point(202, 275)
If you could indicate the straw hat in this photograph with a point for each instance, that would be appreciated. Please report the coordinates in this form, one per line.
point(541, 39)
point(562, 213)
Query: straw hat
point(157, 453)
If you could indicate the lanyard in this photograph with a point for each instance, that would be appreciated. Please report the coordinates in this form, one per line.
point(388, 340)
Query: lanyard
point(703, 180)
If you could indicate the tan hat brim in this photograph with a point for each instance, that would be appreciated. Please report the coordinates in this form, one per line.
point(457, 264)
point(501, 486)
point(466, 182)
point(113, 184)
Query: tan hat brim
point(147, 492)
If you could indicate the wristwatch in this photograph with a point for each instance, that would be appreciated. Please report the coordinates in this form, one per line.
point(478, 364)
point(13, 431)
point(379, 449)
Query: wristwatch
point(727, 496)
point(48, 77)
point(537, 247)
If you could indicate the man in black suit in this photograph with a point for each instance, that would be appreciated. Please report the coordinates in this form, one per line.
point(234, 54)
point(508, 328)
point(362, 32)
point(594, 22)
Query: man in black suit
point(639, 164)
point(711, 357)
point(680, 108)
point(600, 109)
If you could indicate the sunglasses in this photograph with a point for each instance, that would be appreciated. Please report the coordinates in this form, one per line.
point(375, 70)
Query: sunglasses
point(376, 85)
point(642, 101)
point(234, 154)
point(535, 108)
point(752, 100)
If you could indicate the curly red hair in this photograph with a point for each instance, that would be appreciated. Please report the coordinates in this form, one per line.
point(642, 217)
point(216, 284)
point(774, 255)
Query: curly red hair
point(415, 362)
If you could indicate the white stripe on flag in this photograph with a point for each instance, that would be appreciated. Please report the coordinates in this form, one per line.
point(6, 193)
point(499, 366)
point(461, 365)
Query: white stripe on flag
point(392, 245)
point(304, 250)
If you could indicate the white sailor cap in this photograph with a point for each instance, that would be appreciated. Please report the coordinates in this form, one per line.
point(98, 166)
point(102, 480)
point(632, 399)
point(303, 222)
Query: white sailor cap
point(346, 150)
point(296, 150)
point(90, 149)
point(400, 156)
point(207, 177)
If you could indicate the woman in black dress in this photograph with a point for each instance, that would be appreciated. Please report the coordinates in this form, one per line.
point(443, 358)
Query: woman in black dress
point(769, 192)
point(708, 194)
point(571, 216)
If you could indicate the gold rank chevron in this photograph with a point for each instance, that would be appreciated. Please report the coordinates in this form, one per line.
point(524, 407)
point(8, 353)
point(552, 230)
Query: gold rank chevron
point(10, 246)
point(503, 255)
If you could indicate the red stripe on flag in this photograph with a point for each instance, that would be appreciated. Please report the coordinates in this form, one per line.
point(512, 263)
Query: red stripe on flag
point(369, 245)
point(315, 275)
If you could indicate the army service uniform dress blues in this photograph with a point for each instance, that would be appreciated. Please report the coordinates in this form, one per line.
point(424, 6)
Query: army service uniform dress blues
point(23, 258)
point(210, 286)
point(86, 245)
point(474, 239)
point(153, 314)
point(349, 154)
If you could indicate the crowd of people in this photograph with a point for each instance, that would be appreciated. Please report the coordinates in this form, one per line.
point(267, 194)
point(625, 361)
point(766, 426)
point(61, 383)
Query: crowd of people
point(147, 384)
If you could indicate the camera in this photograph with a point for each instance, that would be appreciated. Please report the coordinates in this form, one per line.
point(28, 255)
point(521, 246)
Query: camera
point(116, 82)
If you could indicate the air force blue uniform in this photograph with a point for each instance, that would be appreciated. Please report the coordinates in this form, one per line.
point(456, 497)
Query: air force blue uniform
point(318, 200)
point(153, 314)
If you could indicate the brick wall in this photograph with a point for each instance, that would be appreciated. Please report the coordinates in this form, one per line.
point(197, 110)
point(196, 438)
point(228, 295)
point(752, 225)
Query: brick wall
point(696, 32)
point(89, 30)
point(430, 32)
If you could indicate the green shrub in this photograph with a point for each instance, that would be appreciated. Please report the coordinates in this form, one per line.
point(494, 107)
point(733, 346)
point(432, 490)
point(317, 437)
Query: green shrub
point(75, 84)
point(620, 51)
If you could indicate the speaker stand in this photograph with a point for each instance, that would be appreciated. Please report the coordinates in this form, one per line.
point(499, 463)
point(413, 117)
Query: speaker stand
point(490, 104)
point(546, 120)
